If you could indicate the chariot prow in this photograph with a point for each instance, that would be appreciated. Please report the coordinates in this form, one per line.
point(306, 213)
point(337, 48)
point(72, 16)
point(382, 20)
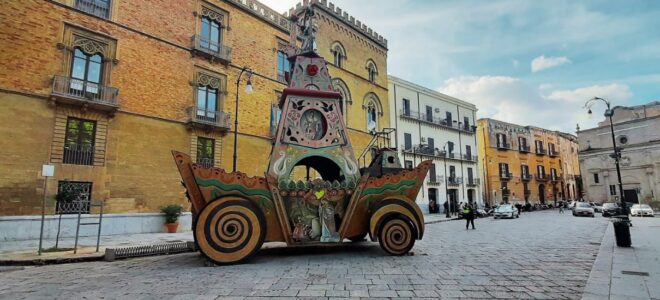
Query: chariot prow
point(234, 214)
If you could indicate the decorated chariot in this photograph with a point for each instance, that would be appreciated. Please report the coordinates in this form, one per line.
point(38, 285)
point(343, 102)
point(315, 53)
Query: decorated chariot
point(234, 214)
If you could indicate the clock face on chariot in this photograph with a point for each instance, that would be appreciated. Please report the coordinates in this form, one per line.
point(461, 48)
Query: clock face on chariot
point(234, 214)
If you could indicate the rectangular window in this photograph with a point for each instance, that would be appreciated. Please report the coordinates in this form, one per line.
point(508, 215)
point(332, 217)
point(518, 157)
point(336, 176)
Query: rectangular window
point(501, 140)
point(469, 174)
point(429, 114)
point(466, 123)
point(541, 171)
point(283, 66)
point(539, 147)
point(79, 141)
point(432, 173)
point(205, 152)
point(504, 170)
point(431, 144)
point(406, 107)
point(210, 38)
point(76, 197)
point(452, 173)
point(596, 179)
point(613, 190)
point(99, 8)
point(407, 140)
point(450, 147)
point(449, 119)
point(408, 164)
point(468, 152)
point(207, 103)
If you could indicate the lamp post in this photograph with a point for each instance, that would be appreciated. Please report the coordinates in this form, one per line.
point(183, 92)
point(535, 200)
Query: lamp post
point(444, 162)
point(617, 152)
point(248, 90)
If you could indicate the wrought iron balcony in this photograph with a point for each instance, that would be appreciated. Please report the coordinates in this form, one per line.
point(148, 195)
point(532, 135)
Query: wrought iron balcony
point(506, 176)
point(553, 153)
point(206, 162)
point(554, 178)
point(503, 146)
point(435, 180)
point(470, 157)
point(540, 151)
point(473, 181)
point(435, 121)
point(526, 177)
point(99, 8)
point(88, 94)
point(454, 180)
point(524, 148)
point(541, 177)
point(75, 154)
point(208, 119)
point(211, 49)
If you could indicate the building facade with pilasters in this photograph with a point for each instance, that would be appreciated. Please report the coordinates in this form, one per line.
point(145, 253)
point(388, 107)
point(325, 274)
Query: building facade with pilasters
point(434, 126)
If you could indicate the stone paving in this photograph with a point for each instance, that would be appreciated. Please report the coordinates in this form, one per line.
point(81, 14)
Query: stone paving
point(541, 255)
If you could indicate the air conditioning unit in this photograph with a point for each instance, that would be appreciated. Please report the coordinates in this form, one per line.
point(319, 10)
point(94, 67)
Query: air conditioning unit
point(437, 110)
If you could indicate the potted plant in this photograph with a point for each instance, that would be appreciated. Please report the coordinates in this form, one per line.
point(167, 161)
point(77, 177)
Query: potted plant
point(172, 213)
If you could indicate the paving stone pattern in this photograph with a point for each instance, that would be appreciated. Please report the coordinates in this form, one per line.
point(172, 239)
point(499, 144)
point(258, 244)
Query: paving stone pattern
point(541, 255)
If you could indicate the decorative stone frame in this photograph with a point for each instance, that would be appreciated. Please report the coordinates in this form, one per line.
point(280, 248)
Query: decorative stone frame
point(342, 88)
point(62, 115)
point(369, 100)
point(338, 47)
point(371, 65)
point(217, 146)
point(89, 43)
point(214, 13)
point(203, 77)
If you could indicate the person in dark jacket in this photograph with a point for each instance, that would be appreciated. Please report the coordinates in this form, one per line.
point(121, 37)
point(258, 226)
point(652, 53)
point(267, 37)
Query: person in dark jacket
point(468, 214)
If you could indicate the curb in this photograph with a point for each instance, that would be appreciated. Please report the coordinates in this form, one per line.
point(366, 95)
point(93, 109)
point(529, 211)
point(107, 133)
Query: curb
point(50, 261)
point(441, 221)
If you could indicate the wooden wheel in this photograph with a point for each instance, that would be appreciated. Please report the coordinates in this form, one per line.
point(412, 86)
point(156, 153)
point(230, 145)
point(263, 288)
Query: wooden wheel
point(396, 235)
point(230, 230)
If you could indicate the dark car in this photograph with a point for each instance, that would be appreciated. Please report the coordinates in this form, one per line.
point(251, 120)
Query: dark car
point(611, 209)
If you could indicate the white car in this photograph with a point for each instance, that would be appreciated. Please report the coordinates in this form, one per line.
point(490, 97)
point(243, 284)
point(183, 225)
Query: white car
point(641, 210)
point(583, 209)
point(506, 211)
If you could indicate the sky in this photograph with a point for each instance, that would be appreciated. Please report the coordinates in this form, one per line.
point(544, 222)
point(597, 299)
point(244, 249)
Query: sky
point(525, 62)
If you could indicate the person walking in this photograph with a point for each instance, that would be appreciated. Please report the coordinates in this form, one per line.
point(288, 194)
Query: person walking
point(468, 214)
point(561, 209)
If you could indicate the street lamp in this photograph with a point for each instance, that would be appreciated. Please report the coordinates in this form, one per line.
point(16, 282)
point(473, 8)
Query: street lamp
point(444, 162)
point(617, 151)
point(248, 90)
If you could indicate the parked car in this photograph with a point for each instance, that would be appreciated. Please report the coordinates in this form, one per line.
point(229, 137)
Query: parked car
point(571, 205)
point(480, 213)
point(610, 209)
point(641, 210)
point(506, 211)
point(583, 209)
point(598, 207)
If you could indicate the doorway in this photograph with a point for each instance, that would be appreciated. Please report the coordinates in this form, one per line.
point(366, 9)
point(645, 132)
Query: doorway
point(433, 201)
point(452, 195)
point(542, 193)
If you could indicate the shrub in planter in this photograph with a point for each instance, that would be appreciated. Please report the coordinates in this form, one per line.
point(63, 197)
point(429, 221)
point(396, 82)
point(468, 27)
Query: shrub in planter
point(172, 213)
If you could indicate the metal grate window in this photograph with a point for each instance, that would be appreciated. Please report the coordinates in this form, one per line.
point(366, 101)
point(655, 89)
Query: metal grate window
point(99, 8)
point(81, 193)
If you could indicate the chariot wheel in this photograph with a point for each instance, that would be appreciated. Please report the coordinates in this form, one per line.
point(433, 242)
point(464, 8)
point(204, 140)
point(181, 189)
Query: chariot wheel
point(396, 235)
point(230, 230)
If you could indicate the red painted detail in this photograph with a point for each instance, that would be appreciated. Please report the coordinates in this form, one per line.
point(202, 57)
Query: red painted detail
point(312, 70)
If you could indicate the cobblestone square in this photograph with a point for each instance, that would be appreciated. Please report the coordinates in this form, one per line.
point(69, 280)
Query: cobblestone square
point(541, 255)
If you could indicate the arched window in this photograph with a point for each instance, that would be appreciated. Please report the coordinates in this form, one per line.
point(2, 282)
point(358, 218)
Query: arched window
point(338, 54)
point(374, 110)
point(341, 87)
point(372, 71)
point(86, 71)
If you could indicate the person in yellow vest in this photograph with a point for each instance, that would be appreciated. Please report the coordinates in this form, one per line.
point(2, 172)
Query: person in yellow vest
point(468, 214)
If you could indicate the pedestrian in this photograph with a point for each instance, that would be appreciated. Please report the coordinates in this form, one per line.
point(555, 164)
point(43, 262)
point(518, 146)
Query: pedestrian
point(468, 214)
point(561, 209)
point(446, 205)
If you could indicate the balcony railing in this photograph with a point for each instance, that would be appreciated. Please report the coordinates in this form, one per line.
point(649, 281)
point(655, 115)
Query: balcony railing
point(469, 157)
point(473, 181)
point(429, 119)
point(211, 48)
point(435, 180)
point(215, 119)
point(526, 177)
point(454, 180)
point(503, 146)
point(78, 154)
point(540, 151)
point(541, 177)
point(553, 153)
point(206, 162)
point(506, 176)
point(554, 178)
point(72, 91)
point(99, 8)
point(523, 148)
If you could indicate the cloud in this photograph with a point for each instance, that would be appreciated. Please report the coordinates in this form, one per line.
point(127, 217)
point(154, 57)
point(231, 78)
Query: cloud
point(513, 100)
point(541, 63)
point(614, 92)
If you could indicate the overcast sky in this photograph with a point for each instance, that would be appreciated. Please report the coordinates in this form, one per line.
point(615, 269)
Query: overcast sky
point(525, 62)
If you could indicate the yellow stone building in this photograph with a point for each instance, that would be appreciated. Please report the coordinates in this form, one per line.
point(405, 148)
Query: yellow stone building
point(105, 89)
point(527, 164)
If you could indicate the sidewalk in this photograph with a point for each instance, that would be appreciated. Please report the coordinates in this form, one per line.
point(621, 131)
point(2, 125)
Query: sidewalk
point(627, 273)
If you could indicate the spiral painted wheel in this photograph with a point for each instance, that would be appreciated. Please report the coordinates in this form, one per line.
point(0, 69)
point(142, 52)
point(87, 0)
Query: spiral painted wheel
point(396, 235)
point(230, 230)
